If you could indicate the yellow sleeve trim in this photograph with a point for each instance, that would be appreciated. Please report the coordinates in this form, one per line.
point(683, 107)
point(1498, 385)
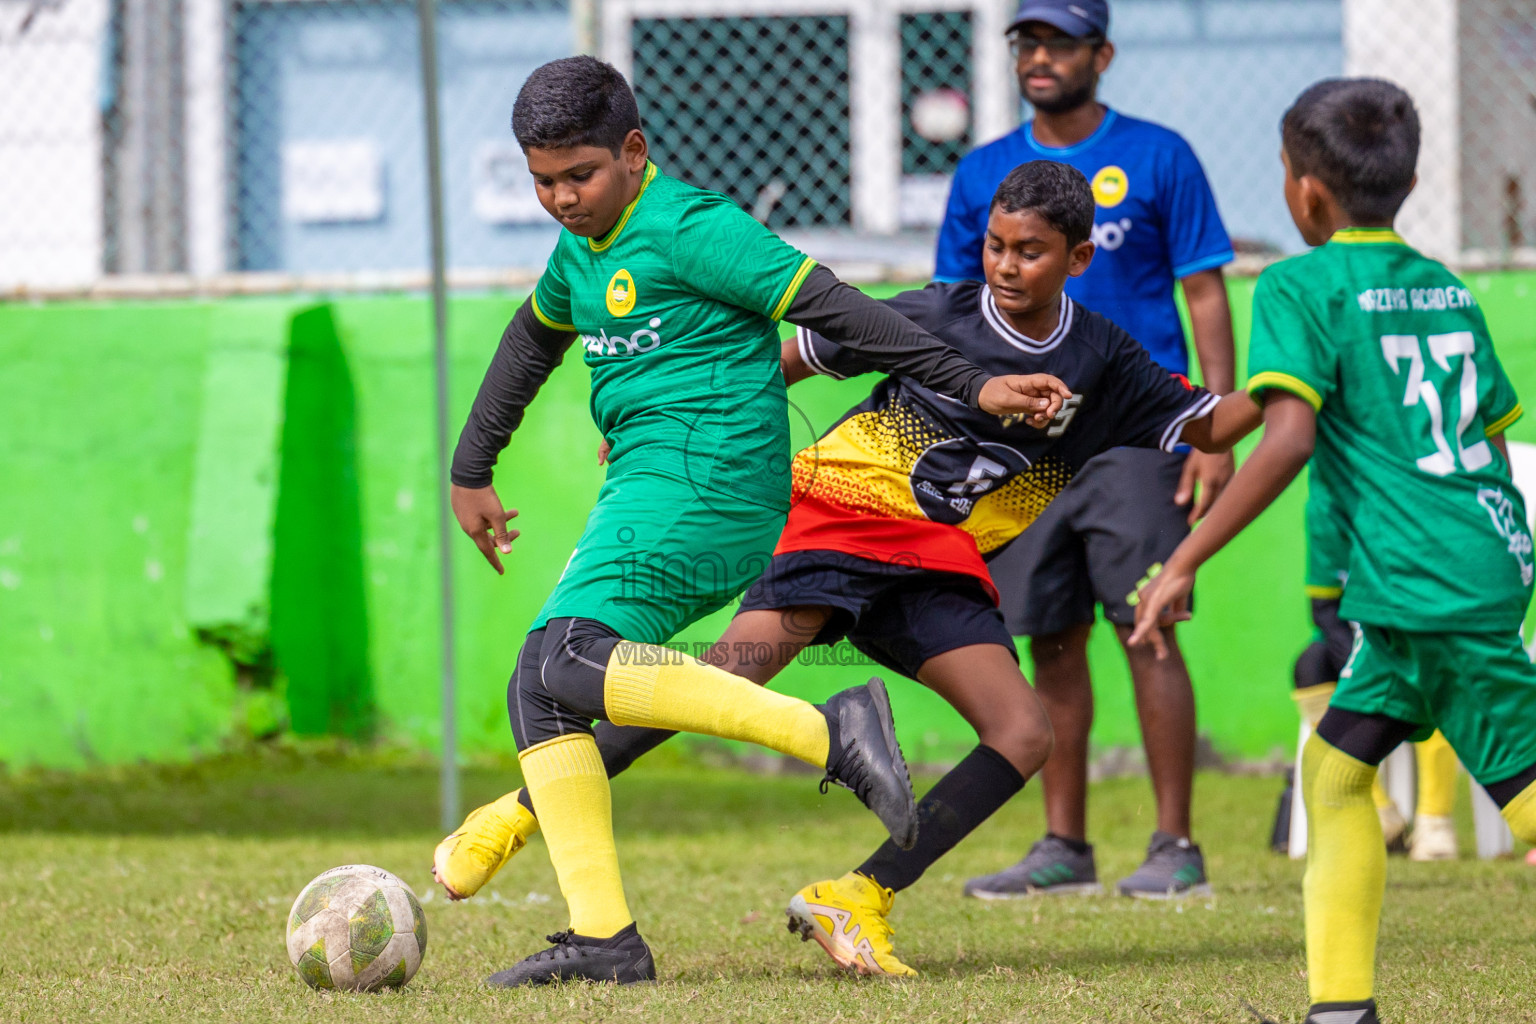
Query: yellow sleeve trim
point(1324, 593)
point(1285, 382)
point(533, 301)
point(806, 266)
point(1504, 422)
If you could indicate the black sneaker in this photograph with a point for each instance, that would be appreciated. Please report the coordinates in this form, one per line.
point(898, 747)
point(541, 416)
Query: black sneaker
point(1343, 1013)
point(1174, 868)
point(864, 757)
point(624, 958)
point(1052, 867)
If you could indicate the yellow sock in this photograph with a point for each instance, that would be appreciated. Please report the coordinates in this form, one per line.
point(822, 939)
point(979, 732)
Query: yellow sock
point(665, 689)
point(1521, 814)
point(1312, 701)
point(1437, 776)
point(565, 777)
point(1346, 874)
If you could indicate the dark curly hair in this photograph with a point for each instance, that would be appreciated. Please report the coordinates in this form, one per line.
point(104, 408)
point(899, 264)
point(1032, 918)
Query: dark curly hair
point(574, 101)
point(1058, 193)
point(1358, 136)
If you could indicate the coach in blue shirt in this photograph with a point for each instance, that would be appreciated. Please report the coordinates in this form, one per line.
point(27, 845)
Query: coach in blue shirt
point(1156, 224)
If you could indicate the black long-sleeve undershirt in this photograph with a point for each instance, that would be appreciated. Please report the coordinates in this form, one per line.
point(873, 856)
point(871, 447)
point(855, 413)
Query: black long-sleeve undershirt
point(883, 336)
point(530, 350)
point(528, 354)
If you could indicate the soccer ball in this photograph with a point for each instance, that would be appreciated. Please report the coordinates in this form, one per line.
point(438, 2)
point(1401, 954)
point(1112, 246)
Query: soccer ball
point(357, 928)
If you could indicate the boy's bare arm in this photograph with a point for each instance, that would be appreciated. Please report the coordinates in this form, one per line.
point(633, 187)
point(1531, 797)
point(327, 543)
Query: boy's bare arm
point(1235, 417)
point(1210, 320)
point(791, 363)
point(1290, 430)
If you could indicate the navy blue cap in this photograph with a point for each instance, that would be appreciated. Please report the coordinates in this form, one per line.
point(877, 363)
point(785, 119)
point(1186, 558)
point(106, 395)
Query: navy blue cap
point(1074, 17)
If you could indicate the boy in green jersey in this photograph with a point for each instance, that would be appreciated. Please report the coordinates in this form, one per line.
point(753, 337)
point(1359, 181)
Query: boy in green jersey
point(1375, 362)
point(674, 294)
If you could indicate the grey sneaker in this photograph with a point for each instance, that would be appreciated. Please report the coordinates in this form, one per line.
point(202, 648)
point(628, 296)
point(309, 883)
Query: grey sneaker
point(1051, 867)
point(1173, 868)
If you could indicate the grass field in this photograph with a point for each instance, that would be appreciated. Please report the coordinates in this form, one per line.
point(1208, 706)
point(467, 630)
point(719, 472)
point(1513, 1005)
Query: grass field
point(160, 894)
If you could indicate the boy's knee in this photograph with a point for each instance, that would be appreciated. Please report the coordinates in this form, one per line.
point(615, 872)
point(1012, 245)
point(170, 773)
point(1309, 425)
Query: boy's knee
point(1025, 740)
point(574, 661)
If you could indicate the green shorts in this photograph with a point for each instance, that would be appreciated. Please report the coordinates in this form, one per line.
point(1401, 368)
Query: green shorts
point(1478, 688)
point(658, 553)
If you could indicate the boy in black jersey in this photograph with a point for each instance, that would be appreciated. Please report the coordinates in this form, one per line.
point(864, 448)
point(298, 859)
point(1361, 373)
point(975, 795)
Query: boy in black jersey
point(896, 507)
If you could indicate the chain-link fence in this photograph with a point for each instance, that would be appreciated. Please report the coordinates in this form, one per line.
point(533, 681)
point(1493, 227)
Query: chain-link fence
point(282, 140)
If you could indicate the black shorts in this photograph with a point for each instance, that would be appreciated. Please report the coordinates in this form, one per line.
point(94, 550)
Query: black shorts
point(898, 615)
point(1093, 543)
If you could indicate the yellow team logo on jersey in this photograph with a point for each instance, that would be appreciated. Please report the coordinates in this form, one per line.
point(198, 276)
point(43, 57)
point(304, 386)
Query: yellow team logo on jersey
point(1110, 186)
point(621, 293)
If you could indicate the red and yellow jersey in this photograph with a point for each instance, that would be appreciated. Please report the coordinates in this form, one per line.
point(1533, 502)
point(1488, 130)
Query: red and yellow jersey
point(913, 477)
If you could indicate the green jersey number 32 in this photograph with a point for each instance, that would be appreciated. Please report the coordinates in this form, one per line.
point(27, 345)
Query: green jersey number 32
point(1400, 348)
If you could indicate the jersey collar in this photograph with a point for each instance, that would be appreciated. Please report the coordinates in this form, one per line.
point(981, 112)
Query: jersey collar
point(999, 323)
point(613, 233)
point(1367, 236)
point(1062, 152)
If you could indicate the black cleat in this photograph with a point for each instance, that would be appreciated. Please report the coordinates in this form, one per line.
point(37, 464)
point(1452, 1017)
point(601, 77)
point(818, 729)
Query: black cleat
point(1343, 1013)
point(624, 959)
point(864, 757)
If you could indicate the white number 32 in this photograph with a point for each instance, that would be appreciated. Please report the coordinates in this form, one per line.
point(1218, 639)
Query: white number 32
point(1398, 347)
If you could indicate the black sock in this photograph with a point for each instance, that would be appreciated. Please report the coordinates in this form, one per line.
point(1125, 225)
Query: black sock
point(947, 813)
point(834, 736)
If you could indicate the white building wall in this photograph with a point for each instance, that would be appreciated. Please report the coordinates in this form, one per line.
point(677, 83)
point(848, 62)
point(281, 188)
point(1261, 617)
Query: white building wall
point(50, 142)
point(1414, 44)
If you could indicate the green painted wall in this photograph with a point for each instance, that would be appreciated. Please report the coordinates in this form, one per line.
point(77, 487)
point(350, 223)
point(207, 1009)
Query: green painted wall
point(217, 515)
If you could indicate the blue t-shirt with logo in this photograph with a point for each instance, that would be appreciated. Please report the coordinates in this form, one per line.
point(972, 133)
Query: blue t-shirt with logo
point(1156, 222)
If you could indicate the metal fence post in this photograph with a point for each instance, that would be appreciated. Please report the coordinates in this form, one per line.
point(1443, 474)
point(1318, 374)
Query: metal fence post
point(448, 790)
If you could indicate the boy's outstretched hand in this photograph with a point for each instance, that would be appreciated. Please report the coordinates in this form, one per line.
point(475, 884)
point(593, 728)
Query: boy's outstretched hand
point(1035, 396)
point(479, 512)
point(1162, 601)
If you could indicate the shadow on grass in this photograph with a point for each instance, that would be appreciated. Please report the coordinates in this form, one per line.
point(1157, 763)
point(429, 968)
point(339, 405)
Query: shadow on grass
point(286, 792)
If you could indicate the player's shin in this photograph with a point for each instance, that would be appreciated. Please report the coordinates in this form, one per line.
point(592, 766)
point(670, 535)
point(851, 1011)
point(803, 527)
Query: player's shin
point(654, 686)
point(957, 804)
point(1346, 874)
point(1437, 777)
point(621, 746)
point(566, 779)
point(1520, 812)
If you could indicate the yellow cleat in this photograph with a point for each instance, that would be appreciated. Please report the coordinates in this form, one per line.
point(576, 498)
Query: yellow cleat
point(848, 918)
point(477, 849)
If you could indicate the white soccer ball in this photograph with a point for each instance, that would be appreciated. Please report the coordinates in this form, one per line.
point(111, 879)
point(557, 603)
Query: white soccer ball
point(357, 928)
point(941, 115)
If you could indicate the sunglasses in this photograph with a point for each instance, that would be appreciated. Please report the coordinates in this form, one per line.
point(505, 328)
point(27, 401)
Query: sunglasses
point(1056, 46)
